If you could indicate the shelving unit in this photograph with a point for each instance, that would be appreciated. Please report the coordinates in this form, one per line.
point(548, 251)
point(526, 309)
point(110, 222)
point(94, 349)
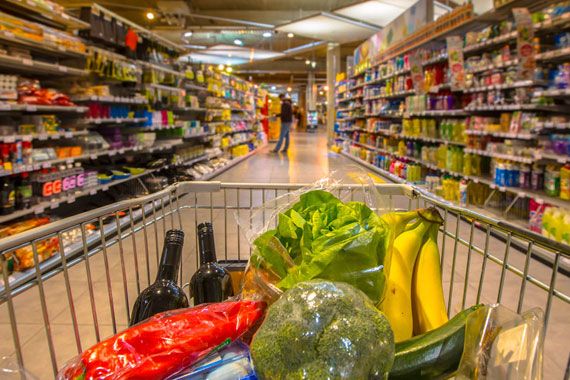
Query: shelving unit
point(379, 140)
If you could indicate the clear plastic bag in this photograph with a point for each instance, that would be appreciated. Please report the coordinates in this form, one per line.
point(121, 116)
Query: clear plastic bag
point(323, 330)
point(165, 343)
point(320, 232)
point(501, 344)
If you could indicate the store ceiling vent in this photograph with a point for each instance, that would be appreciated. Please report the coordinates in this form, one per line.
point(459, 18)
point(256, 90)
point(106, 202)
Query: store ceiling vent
point(174, 7)
point(330, 27)
point(376, 12)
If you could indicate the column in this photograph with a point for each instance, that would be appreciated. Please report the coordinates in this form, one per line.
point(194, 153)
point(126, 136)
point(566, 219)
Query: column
point(333, 68)
point(311, 94)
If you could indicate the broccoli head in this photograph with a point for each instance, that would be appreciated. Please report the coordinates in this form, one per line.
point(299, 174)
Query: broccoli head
point(323, 330)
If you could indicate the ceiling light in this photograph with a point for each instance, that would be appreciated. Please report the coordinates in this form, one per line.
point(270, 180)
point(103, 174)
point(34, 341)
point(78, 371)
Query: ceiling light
point(321, 93)
point(314, 64)
point(290, 35)
point(187, 34)
point(221, 67)
point(273, 88)
point(267, 34)
point(289, 89)
point(377, 12)
point(308, 62)
point(229, 69)
point(150, 15)
point(238, 42)
point(326, 88)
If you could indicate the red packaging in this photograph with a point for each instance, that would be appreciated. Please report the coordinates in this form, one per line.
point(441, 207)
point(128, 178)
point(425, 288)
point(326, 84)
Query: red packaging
point(164, 344)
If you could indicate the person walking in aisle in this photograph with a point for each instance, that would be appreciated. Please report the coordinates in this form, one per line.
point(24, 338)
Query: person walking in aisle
point(286, 121)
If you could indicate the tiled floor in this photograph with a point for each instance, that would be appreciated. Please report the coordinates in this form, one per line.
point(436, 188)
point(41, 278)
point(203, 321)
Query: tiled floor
point(100, 306)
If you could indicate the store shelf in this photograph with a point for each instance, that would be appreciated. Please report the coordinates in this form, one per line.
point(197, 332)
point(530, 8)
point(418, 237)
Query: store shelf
point(163, 69)
point(505, 86)
point(440, 58)
point(560, 158)
point(197, 136)
point(554, 93)
point(436, 113)
point(230, 165)
point(490, 43)
point(554, 55)
point(429, 139)
point(239, 143)
point(190, 86)
point(48, 16)
point(351, 118)
point(510, 157)
point(348, 99)
point(539, 126)
point(151, 128)
point(35, 67)
point(189, 109)
point(163, 87)
point(238, 131)
point(43, 136)
point(348, 109)
point(388, 115)
point(109, 99)
point(9, 38)
point(386, 77)
point(9, 107)
point(494, 66)
point(116, 120)
point(515, 107)
point(506, 135)
point(194, 160)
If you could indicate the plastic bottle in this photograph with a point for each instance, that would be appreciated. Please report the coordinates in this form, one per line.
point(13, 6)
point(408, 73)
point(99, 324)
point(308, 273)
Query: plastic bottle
point(7, 196)
point(57, 185)
point(537, 177)
point(552, 181)
point(80, 173)
point(565, 182)
point(24, 192)
point(524, 177)
point(463, 193)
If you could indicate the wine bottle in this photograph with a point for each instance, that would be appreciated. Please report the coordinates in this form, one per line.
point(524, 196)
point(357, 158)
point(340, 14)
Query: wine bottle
point(164, 294)
point(211, 282)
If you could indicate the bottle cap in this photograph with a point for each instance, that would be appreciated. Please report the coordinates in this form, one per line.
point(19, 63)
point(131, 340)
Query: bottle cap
point(174, 236)
point(204, 228)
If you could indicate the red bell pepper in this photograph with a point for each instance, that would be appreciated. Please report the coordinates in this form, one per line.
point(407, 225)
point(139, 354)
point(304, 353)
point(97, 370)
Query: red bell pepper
point(166, 343)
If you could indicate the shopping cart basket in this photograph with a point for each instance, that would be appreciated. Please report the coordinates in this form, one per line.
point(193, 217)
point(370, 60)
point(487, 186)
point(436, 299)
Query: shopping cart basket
point(105, 257)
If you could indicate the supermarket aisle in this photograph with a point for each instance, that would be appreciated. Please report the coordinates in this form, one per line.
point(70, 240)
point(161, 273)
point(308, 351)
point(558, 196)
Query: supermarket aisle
point(308, 160)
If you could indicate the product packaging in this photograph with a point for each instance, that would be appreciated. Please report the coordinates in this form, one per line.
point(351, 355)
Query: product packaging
point(501, 344)
point(164, 344)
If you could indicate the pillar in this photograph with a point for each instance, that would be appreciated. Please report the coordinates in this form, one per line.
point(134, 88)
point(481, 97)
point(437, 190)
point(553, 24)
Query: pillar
point(333, 68)
point(311, 93)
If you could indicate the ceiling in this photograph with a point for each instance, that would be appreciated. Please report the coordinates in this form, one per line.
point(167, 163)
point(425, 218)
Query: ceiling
point(220, 22)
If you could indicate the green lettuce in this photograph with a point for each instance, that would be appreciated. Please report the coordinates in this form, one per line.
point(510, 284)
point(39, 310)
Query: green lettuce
point(322, 237)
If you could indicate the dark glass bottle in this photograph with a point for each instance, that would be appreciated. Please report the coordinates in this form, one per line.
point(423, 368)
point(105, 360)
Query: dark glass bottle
point(164, 294)
point(211, 283)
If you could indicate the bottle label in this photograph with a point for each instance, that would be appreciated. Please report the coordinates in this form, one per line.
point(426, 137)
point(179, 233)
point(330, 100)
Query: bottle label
point(47, 189)
point(80, 180)
point(25, 191)
point(10, 200)
point(65, 184)
point(57, 186)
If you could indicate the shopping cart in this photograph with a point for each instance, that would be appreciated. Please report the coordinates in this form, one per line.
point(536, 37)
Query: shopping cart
point(85, 292)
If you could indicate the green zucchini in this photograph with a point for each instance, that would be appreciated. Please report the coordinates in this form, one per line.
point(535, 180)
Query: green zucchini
point(433, 354)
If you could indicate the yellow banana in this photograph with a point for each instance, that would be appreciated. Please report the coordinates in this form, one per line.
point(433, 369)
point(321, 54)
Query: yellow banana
point(427, 289)
point(397, 220)
point(397, 304)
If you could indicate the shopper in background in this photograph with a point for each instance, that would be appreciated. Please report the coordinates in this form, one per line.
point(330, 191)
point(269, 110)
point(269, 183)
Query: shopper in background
point(286, 121)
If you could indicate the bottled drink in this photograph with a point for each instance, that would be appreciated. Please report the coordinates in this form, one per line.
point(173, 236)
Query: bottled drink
point(164, 294)
point(211, 283)
point(23, 192)
point(7, 197)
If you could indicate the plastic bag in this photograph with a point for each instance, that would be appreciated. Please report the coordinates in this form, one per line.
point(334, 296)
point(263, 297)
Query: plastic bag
point(501, 344)
point(230, 363)
point(323, 330)
point(165, 343)
point(318, 235)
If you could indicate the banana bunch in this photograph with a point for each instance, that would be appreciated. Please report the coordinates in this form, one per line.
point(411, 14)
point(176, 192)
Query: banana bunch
point(414, 301)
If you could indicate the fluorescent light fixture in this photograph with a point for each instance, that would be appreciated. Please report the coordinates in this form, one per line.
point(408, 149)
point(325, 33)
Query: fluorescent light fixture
point(313, 64)
point(330, 27)
point(238, 42)
point(221, 67)
point(267, 34)
point(235, 55)
point(376, 12)
point(150, 15)
point(440, 9)
point(290, 35)
point(289, 89)
point(321, 93)
point(308, 62)
point(187, 34)
point(303, 48)
point(229, 69)
point(273, 88)
point(326, 88)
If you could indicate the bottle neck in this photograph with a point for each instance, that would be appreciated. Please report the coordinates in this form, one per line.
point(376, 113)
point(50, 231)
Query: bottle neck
point(207, 248)
point(169, 263)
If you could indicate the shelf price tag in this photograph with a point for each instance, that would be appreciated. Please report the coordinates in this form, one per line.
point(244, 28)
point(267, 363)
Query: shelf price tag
point(27, 62)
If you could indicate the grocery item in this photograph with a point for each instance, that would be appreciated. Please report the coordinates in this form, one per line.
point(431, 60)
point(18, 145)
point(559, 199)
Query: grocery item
point(428, 301)
point(164, 294)
point(320, 329)
point(312, 234)
point(211, 282)
point(397, 304)
point(433, 354)
point(165, 343)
